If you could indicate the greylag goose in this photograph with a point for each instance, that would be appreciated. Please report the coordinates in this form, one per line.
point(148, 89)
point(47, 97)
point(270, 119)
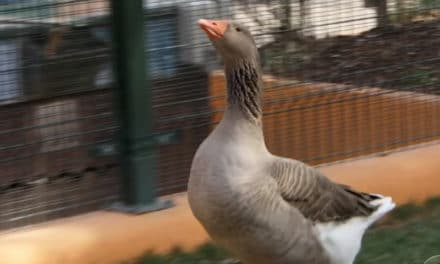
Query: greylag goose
point(264, 208)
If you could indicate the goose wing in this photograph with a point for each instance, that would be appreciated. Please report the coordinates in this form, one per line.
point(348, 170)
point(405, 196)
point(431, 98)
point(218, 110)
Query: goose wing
point(316, 197)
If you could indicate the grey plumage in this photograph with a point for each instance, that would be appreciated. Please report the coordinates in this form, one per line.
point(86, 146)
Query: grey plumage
point(263, 208)
point(319, 199)
point(245, 89)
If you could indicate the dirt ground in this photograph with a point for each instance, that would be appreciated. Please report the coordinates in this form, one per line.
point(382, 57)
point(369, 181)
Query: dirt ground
point(401, 56)
point(408, 226)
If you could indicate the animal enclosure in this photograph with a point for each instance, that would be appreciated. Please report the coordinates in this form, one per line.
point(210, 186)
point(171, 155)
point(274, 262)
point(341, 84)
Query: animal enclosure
point(343, 79)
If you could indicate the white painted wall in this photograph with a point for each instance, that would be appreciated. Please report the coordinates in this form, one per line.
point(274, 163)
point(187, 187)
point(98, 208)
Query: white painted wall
point(341, 17)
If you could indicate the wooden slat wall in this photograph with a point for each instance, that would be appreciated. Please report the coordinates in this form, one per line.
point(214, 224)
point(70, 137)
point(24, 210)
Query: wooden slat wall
point(319, 123)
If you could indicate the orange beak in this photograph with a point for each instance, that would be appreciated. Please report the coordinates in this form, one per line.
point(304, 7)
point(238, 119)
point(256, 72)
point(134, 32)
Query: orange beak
point(215, 29)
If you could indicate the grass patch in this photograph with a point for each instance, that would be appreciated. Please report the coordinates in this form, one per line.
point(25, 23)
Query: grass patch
point(435, 4)
point(411, 243)
point(206, 254)
point(410, 235)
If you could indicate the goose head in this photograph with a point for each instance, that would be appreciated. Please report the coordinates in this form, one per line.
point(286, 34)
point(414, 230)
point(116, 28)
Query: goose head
point(232, 40)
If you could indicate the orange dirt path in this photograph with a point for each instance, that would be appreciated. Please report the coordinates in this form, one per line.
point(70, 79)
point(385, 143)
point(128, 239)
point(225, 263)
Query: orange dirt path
point(109, 237)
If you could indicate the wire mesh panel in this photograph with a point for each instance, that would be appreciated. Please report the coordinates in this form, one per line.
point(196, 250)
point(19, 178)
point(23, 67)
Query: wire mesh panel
point(55, 105)
point(343, 78)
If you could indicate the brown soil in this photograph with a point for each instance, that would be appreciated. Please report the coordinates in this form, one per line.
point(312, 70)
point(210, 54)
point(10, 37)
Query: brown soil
point(404, 57)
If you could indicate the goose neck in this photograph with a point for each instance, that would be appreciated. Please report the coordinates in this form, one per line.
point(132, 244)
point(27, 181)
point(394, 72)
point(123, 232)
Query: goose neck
point(244, 89)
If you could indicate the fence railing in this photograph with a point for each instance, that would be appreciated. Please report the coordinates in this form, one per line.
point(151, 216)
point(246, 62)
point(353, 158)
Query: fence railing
point(87, 120)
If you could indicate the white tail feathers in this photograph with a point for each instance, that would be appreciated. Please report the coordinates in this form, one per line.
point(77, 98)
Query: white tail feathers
point(385, 204)
point(342, 241)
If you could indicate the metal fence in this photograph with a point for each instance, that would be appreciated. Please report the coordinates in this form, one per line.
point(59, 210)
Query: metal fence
point(344, 78)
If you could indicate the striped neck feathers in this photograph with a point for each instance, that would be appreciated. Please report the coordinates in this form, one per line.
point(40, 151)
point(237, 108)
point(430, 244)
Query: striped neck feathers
point(244, 85)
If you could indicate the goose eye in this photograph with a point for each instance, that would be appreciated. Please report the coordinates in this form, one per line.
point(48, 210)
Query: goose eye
point(238, 29)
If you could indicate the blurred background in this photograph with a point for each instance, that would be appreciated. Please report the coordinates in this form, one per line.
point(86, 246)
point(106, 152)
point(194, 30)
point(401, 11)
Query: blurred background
point(344, 79)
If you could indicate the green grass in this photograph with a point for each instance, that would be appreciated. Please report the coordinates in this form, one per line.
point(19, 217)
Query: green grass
point(435, 4)
point(206, 254)
point(408, 243)
point(410, 235)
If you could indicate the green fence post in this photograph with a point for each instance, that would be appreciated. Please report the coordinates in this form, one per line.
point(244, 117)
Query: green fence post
point(133, 91)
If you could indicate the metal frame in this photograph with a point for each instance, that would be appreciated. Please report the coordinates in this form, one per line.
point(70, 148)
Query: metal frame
point(133, 93)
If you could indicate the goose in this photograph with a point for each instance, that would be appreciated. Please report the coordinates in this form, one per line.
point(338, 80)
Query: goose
point(260, 207)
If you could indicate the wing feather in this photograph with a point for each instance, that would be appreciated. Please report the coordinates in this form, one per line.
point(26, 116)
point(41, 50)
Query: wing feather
point(316, 197)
